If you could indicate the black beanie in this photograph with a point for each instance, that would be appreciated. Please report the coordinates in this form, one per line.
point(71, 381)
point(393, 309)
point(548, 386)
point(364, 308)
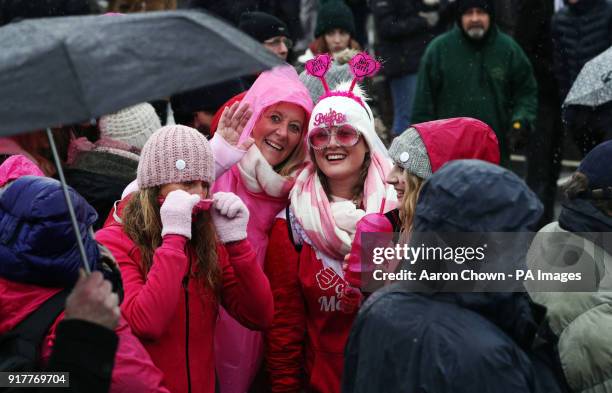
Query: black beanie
point(262, 26)
point(464, 5)
point(206, 99)
point(334, 14)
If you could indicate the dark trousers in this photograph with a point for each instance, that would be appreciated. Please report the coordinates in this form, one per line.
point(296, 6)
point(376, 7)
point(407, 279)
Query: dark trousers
point(544, 155)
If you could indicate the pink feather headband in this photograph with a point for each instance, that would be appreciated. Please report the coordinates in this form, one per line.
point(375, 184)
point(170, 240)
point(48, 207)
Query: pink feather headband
point(362, 65)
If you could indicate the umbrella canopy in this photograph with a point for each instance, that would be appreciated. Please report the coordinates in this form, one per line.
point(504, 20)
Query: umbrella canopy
point(593, 86)
point(56, 71)
point(59, 71)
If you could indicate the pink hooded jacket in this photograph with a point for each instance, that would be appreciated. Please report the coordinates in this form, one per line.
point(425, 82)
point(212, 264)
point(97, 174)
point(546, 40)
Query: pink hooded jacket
point(239, 351)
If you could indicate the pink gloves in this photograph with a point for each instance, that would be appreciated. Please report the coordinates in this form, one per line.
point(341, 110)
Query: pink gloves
point(352, 298)
point(230, 216)
point(176, 213)
point(354, 266)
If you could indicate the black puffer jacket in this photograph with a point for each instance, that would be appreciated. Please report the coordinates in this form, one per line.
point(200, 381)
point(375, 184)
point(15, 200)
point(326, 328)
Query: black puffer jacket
point(580, 32)
point(403, 34)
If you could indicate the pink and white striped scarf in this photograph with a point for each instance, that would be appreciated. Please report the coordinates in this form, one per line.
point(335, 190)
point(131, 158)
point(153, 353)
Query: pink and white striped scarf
point(331, 230)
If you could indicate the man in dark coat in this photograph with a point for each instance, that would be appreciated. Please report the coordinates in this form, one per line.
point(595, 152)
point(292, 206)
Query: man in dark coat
point(432, 341)
point(404, 29)
point(580, 31)
point(475, 70)
point(533, 33)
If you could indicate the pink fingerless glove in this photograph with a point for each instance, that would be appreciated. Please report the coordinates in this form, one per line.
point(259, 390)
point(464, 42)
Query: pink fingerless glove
point(230, 216)
point(352, 298)
point(176, 213)
point(354, 266)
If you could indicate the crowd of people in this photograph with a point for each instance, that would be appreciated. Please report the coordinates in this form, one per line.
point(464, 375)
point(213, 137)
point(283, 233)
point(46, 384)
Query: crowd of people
point(220, 224)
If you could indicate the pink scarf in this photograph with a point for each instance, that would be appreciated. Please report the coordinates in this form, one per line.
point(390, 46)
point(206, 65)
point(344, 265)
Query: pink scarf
point(330, 226)
point(263, 191)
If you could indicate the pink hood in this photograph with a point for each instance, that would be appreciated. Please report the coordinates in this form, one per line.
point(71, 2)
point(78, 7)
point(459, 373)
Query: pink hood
point(281, 84)
point(10, 147)
point(458, 138)
point(16, 166)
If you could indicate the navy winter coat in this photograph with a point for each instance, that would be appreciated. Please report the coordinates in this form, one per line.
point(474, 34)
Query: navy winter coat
point(403, 34)
point(580, 32)
point(437, 342)
point(37, 241)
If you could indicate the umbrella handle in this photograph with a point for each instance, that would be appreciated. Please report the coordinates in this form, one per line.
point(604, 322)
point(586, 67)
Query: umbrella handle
point(73, 219)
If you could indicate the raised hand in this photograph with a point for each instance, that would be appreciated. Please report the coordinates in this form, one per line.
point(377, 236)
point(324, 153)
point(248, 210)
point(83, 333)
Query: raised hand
point(232, 122)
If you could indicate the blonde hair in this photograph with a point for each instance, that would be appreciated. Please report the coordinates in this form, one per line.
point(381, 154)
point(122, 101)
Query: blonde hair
point(407, 206)
point(142, 223)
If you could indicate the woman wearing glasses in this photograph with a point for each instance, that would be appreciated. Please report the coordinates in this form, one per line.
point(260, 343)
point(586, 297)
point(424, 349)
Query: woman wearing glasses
point(345, 180)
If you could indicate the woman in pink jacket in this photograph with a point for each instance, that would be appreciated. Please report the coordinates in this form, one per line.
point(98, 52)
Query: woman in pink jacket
point(181, 256)
point(280, 106)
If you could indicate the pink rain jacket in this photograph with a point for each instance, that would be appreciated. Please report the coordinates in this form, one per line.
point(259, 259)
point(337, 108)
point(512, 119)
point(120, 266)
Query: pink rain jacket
point(239, 351)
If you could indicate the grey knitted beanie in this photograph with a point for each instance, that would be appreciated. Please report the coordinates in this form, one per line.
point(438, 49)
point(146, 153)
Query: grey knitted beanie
point(409, 152)
point(337, 74)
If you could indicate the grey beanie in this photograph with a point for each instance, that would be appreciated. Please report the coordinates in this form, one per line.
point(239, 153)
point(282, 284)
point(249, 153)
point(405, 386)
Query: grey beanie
point(337, 74)
point(409, 152)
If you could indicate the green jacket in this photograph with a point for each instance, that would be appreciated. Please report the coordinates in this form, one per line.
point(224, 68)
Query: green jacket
point(490, 80)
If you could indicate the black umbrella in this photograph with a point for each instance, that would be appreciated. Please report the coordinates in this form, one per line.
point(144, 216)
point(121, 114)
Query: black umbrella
point(57, 71)
point(67, 70)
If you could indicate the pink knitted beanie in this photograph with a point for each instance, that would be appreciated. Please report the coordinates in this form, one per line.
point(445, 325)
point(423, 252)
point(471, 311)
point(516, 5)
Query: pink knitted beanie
point(175, 154)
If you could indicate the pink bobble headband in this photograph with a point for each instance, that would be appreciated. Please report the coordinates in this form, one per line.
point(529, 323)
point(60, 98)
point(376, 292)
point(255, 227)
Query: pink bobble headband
point(361, 65)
